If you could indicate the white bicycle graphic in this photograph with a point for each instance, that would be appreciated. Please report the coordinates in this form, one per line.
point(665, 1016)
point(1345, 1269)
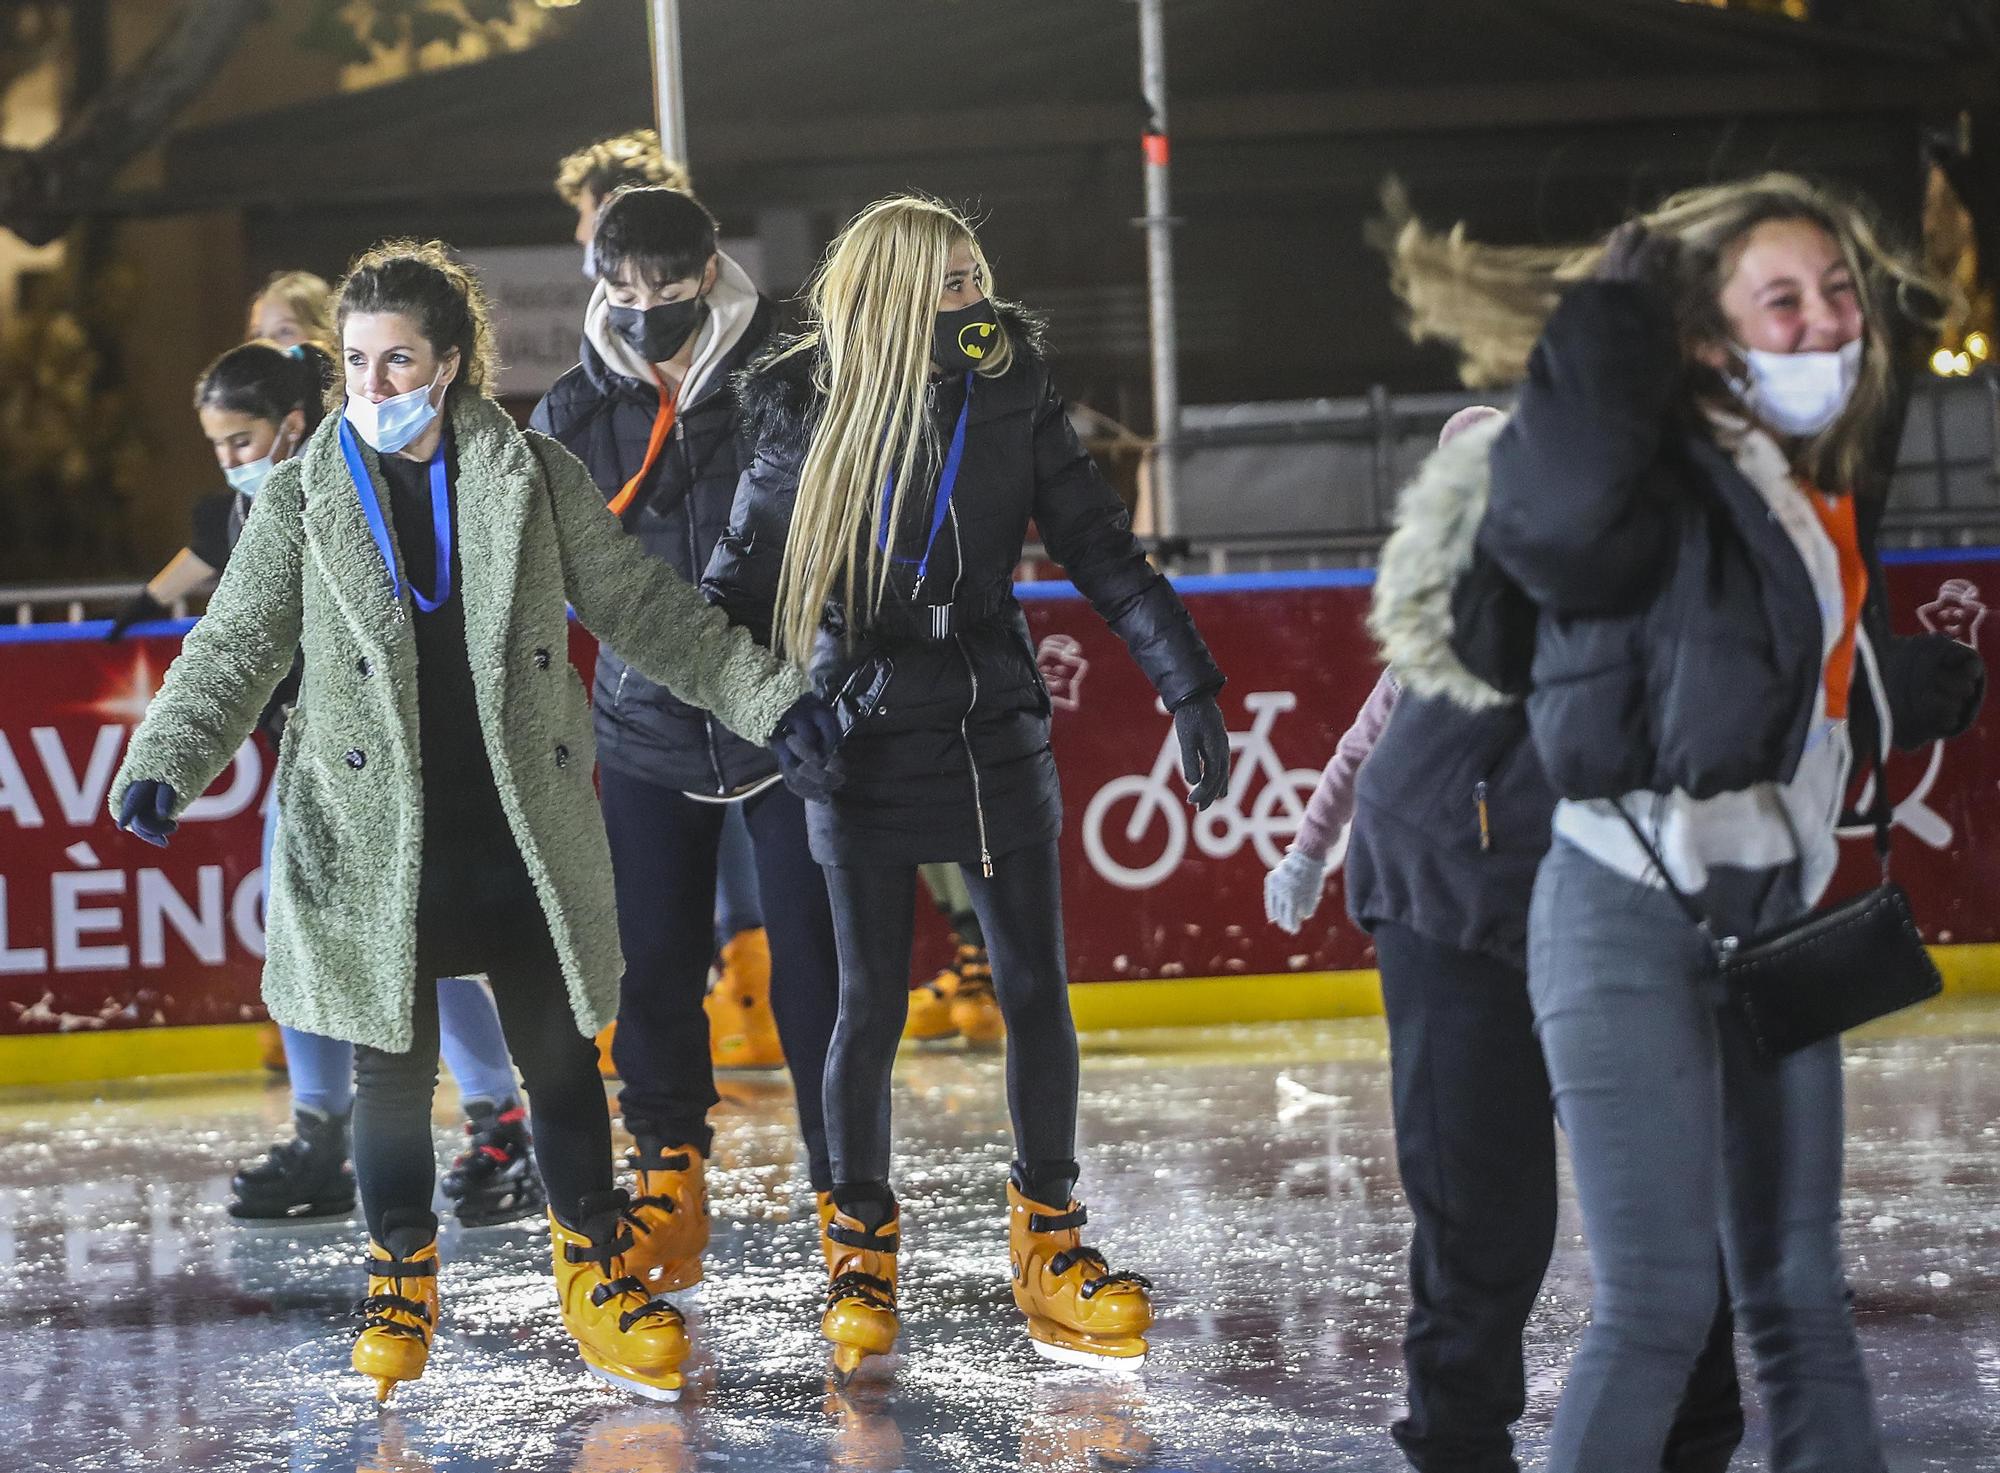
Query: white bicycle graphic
point(1158, 822)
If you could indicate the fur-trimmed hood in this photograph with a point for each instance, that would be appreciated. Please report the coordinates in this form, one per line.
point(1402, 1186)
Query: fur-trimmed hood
point(1437, 526)
point(778, 398)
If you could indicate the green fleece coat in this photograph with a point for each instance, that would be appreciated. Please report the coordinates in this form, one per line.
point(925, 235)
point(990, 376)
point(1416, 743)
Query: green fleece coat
point(533, 532)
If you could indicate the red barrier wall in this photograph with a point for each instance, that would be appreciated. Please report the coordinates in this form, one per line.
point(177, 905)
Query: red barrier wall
point(98, 931)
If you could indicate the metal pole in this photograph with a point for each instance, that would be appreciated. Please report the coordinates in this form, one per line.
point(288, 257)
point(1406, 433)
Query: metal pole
point(669, 95)
point(1159, 224)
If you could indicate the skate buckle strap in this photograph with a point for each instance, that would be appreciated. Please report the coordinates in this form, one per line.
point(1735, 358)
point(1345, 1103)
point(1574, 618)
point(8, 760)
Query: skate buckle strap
point(640, 1159)
point(375, 1310)
point(616, 1288)
point(1060, 1222)
point(1062, 1263)
point(402, 1268)
point(598, 1253)
point(849, 1237)
point(661, 1307)
point(857, 1285)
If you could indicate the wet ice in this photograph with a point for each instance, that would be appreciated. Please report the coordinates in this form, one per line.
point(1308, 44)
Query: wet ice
point(1248, 1171)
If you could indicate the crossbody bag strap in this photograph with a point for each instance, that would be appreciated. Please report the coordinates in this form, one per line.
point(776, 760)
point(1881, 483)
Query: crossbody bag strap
point(1688, 907)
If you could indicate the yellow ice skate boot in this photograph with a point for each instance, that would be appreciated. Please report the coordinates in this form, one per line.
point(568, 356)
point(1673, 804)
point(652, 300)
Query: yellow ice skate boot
point(1078, 1311)
point(929, 1018)
point(625, 1336)
point(669, 1213)
point(399, 1315)
point(742, 1029)
point(975, 1012)
point(860, 1318)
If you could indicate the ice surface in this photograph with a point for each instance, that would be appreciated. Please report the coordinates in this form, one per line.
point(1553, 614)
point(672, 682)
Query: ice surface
point(1248, 1171)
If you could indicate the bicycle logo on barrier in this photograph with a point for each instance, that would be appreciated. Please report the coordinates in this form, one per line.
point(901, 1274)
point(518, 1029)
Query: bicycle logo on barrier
point(1956, 613)
point(1147, 816)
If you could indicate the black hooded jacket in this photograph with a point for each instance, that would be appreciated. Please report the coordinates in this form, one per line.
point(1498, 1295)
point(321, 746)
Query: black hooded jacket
point(605, 419)
point(951, 762)
point(1679, 641)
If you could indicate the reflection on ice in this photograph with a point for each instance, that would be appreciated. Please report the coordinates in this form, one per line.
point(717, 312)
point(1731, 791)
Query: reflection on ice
point(1248, 1172)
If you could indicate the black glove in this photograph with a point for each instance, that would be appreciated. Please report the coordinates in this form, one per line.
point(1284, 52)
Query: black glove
point(1947, 684)
point(807, 746)
point(144, 809)
point(1204, 748)
point(141, 609)
point(1642, 257)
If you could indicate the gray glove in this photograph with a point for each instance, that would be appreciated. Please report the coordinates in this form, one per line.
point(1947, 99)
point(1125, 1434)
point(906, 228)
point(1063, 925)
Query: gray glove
point(1292, 890)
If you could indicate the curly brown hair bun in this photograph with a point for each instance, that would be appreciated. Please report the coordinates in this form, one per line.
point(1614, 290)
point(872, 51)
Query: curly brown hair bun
point(421, 281)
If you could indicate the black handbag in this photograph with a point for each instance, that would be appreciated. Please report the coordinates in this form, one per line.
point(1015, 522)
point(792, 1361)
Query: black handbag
point(1829, 971)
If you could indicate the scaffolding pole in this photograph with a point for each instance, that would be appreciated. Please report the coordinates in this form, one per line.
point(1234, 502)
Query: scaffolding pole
point(663, 27)
point(1159, 223)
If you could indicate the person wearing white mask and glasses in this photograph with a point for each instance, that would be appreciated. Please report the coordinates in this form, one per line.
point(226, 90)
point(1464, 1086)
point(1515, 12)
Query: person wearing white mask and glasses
point(1688, 488)
point(436, 781)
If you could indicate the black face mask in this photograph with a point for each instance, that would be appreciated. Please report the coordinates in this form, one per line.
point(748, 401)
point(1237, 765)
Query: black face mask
point(964, 336)
point(659, 332)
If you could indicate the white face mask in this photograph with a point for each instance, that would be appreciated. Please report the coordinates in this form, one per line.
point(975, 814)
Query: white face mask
point(1799, 393)
point(248, 479)
point(397, 420)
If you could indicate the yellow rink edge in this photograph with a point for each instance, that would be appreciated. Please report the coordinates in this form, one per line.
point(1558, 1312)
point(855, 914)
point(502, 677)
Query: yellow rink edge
point(66, 1058)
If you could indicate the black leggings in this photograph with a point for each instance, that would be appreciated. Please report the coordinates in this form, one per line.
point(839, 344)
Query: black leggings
point(1475, 1143)
point(393, 1161)
point(663, 849)
point(1020, 910)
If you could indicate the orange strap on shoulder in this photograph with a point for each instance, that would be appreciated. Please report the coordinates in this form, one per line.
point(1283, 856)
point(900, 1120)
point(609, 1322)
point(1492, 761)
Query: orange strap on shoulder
point(1836, 515)
point(663, 426)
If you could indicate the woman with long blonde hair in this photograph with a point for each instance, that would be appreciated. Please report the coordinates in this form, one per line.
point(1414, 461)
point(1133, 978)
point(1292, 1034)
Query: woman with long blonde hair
point(903, 444)
point(1688, 489)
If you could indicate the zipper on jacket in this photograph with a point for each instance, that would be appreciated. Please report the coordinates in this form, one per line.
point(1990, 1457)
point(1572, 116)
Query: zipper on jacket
point(1485, 818)
point(964, 722)
point(694, 564)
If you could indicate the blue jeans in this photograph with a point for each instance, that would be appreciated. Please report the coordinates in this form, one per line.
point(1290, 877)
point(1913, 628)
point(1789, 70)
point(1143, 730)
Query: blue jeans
point(322, 1069)
point(1677, 1129)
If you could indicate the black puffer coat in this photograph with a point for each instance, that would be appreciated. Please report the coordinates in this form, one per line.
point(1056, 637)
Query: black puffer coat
point(1680, 638)
point(953, 764)
point(605, 419)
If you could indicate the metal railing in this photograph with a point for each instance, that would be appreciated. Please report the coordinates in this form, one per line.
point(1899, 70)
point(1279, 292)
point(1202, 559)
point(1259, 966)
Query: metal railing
point(1344, 460)
point(72, 603)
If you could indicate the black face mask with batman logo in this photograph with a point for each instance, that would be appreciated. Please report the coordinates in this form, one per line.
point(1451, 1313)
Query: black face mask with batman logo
point(659, 332)
point(965, 336)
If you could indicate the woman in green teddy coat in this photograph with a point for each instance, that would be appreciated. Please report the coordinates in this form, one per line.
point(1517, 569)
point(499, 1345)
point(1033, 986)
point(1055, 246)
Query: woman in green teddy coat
point(440, 818)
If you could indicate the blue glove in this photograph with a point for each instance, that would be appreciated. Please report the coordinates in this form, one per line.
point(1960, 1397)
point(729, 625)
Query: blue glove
point(1204, 748)
point(807, 746)
point(144, 810)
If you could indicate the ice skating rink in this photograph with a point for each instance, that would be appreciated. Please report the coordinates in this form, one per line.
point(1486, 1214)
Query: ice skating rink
point(1247, 1171)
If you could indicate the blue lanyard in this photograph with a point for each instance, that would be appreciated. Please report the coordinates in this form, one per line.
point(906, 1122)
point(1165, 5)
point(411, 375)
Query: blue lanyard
point(371, 508)
point(947, 483)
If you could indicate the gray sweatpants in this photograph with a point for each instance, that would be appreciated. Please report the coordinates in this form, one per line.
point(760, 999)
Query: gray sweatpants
point(1676, 1131)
